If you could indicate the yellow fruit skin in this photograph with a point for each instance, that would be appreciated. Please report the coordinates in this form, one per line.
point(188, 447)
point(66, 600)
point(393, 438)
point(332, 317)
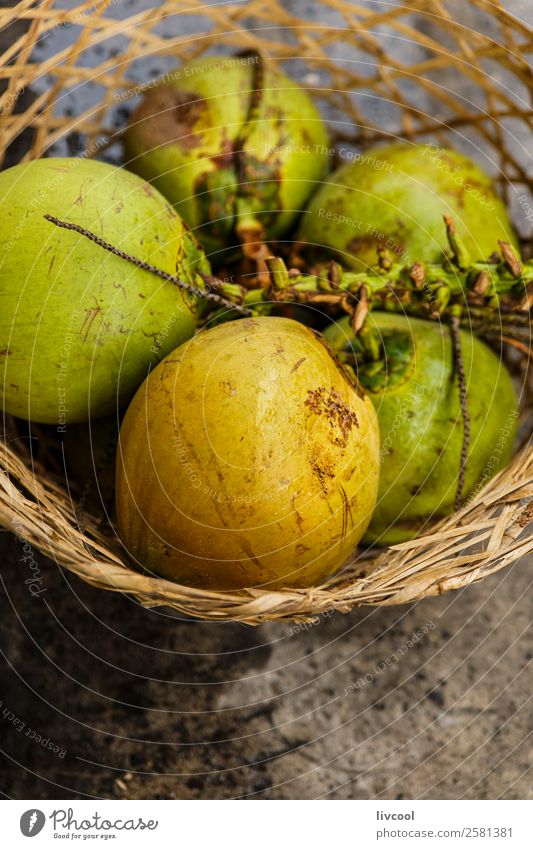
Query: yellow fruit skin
point(247, 459)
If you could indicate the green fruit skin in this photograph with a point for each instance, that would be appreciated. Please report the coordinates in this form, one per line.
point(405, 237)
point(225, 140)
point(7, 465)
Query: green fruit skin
point(247, 459)
point(79, 327)
point(420, 423)
point(395, 197)
point(186, 149)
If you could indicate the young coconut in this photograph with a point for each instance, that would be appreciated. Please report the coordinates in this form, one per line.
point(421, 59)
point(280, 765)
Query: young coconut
point(414, 388)
point(237, 147)
point(395, 197)
point(247, 458)
point(79, 327)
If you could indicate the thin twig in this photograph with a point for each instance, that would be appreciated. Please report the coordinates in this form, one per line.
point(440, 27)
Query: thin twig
point(220, 300)
point(455, 329)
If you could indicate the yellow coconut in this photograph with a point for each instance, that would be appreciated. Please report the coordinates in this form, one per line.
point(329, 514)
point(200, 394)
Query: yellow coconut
point(247, 458)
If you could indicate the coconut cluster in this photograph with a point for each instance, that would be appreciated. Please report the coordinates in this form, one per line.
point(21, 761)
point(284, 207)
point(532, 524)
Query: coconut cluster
point(253, 450)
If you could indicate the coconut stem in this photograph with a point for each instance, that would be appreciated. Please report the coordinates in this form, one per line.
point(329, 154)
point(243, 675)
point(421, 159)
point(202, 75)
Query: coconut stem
point(195, 291)
point(249, 230)
point(495, 310)
point(460, 253)
point(489, 298)
point(256, 96)
point(455, 333)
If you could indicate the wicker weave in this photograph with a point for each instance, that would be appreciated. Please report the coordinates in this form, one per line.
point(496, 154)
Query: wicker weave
point(350, 65)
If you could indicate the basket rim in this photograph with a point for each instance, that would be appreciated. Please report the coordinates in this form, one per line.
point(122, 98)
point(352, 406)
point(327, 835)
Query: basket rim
point(493, 523)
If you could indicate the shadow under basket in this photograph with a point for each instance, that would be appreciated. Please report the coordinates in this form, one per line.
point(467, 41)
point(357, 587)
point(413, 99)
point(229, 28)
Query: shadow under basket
point(464, 85)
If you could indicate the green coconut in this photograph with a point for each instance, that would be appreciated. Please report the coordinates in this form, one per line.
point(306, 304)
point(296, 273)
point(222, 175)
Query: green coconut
point(414, 388)
point(395, 197)
point(233, 173)
point(247, 458)
point(79, 327)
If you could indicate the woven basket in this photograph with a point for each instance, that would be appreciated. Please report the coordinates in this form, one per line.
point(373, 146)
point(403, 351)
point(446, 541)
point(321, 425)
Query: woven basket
point(427, 77)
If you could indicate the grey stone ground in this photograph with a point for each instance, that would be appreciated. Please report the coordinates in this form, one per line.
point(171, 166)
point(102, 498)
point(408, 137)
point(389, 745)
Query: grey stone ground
point(147, 706)
point(141, 704)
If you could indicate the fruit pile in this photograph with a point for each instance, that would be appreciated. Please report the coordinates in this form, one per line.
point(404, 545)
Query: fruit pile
point(301, 359)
